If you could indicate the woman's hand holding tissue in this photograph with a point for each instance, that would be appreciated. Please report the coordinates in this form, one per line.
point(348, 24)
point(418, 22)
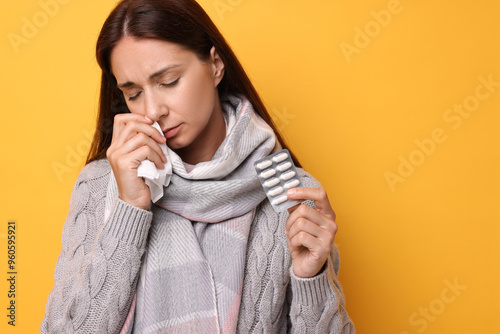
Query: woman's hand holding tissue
point(134, 140)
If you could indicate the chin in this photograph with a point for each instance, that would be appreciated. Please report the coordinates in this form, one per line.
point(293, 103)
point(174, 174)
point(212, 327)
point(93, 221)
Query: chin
point(176, 144)
point(174, 147)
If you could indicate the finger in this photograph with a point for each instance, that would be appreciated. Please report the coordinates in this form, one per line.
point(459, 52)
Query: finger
point(303, 224)
point(121, 120)
point(316, 217)
point(304, 239)
point(293, 208)
point(132, 160)
point(147, 147)
point(318, 195)
point(130, 123)
point(135, 130)
point(133, 127)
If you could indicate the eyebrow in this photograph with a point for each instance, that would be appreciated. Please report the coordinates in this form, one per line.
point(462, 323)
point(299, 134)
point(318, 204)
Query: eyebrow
point(151, 77)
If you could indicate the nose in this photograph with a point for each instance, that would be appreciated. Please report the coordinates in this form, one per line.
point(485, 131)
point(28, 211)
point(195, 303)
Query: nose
point(154, 107)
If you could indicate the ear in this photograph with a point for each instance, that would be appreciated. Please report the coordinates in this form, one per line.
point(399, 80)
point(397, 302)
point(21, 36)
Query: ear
point(217, 66)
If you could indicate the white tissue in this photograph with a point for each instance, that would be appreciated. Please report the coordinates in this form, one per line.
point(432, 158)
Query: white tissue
point(156, 178)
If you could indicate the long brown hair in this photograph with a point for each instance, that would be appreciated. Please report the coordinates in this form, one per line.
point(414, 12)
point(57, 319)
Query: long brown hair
point(178, 21)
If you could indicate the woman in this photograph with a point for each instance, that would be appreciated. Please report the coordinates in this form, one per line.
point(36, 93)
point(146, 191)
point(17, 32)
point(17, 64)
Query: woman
point(210, 255)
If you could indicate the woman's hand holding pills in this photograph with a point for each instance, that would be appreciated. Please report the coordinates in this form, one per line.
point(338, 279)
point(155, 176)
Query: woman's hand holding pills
point(134, 140)
point(310, 232)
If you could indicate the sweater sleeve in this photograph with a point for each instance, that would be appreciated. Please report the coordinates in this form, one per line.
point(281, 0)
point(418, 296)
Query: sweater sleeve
point(317, 304)
point(98, 267)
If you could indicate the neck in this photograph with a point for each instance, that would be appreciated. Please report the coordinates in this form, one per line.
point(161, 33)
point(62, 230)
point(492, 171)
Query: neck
point(199, 151)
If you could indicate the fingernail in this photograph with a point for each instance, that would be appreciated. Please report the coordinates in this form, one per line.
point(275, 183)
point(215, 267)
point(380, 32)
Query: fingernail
point(291, 192)
point(147, 118)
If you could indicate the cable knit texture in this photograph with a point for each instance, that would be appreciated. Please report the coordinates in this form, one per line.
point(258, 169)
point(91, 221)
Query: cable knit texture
point(98, 268)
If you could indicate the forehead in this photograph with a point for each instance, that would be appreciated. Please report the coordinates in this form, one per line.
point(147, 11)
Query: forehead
point(146, 55)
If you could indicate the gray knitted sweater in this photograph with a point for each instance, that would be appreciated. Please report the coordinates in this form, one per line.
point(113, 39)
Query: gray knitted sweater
point(97, 271)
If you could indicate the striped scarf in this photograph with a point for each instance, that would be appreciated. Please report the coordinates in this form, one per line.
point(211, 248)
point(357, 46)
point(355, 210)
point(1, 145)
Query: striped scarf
point(191, 278)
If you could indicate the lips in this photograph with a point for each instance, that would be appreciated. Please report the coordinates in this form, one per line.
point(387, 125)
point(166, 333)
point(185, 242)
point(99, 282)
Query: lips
point(170, 132)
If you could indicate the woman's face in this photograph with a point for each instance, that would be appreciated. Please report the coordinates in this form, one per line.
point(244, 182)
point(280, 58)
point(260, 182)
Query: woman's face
point(171, 85)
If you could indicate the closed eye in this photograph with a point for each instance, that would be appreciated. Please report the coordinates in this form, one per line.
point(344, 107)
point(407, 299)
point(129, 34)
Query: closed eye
point(170, 84)
point(132, 98)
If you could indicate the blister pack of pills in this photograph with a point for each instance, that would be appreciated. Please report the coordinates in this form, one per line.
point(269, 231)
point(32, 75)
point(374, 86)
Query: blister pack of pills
point(277, 174)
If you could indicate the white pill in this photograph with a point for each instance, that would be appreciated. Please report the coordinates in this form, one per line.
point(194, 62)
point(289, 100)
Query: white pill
point(275, 191)
point(291, 184)
point(272, 182)
point(267, 173)
point(280, 157)
point(284, 166)
point(264, 164)
point(279, 200)
point(288, 175)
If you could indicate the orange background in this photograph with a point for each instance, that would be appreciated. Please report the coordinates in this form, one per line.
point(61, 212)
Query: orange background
point(368, 94)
